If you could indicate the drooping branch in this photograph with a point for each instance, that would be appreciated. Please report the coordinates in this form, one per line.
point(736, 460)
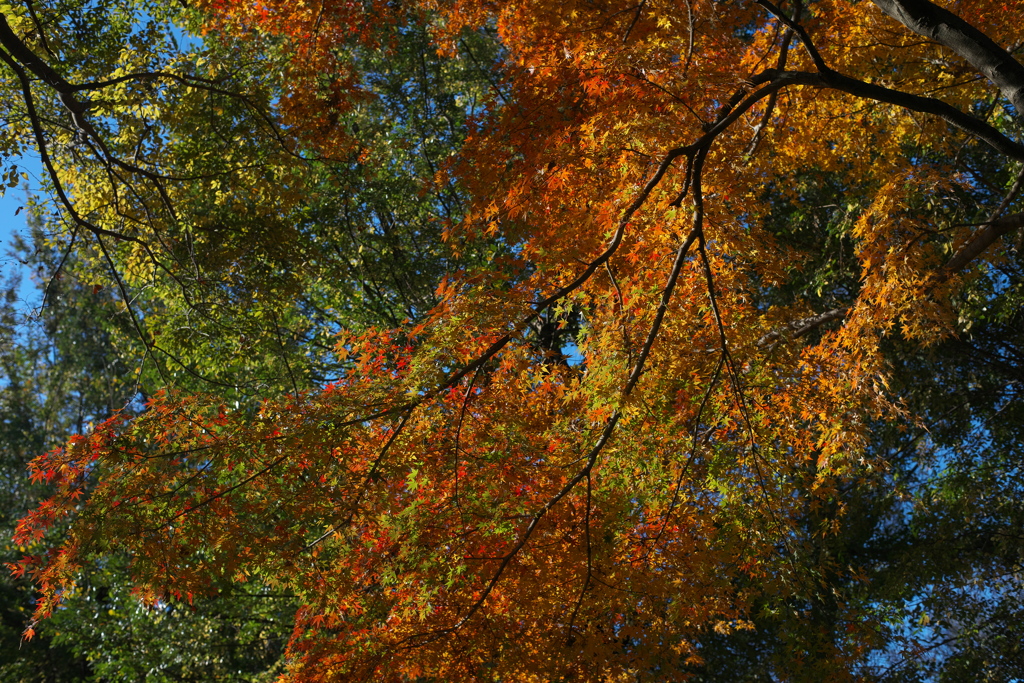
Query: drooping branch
point(939, 24)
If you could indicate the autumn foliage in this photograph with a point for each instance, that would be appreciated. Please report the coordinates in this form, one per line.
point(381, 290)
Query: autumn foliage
point(640, 422)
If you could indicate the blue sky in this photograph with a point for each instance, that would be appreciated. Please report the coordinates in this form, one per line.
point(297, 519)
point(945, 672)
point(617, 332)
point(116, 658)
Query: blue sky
point(12, 222)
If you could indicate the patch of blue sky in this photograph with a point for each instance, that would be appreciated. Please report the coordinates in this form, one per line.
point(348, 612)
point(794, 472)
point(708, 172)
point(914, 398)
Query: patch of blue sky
point(14, 221)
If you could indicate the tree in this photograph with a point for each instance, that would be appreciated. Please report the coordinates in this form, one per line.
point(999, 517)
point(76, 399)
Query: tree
point(697, 454)
point(243, 629)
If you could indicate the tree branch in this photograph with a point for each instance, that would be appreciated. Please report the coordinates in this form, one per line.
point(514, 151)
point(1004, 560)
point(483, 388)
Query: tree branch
point(939, 24)
point(798, 328)
point(926, 105)
point(992, 231)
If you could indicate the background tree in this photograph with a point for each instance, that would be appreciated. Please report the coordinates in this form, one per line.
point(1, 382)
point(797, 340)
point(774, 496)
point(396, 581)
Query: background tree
point(62, 371)
point(41, 382)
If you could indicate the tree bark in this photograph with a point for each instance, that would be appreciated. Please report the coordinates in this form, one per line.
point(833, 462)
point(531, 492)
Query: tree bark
point(980, 51)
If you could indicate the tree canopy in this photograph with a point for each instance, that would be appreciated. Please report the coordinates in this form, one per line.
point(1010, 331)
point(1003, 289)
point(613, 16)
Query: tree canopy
point(658, 340)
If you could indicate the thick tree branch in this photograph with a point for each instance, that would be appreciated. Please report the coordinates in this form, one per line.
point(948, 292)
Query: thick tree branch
point(14, 45)
point(926, 105)
point(934, 22)
point(992, 231)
